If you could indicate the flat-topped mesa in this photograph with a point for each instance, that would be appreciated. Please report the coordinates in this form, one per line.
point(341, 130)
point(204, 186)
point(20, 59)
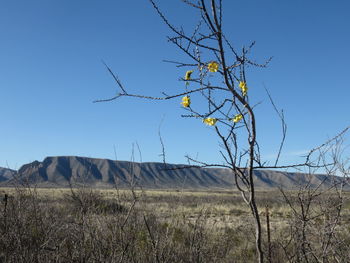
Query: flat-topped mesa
point(63, 171)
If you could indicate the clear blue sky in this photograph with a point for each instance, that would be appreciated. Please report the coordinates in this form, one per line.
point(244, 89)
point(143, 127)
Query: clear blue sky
point(51, 71)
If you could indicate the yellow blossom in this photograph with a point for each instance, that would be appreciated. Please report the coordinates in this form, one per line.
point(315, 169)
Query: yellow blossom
point(213, 66)
point(237, 118)
point(243, 87)
point(210, 121)
point(186, 101)
point(188, 74)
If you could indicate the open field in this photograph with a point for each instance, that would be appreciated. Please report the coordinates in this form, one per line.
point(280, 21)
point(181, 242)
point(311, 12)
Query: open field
point(85, 225)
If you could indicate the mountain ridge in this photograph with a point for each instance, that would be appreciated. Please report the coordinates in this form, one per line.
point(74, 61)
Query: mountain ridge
point(64, 171)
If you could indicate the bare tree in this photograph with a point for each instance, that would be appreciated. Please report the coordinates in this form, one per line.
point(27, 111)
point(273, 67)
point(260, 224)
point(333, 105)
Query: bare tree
point(217, 72)
point(316, 218)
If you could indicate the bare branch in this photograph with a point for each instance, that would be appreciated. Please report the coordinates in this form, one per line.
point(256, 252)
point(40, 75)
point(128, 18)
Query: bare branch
point(283, 123)
point(115, 78)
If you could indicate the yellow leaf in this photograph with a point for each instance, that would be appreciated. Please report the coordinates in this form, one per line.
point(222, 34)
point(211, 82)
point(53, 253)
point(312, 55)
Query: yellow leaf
point(188, 74)
point(213, 66)
point(210, 121)
point(186, 101)
point(237, 118)
point(243, 87)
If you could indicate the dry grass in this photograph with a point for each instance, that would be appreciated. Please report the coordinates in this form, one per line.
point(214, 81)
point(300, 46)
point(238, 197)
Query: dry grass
point(85, 225)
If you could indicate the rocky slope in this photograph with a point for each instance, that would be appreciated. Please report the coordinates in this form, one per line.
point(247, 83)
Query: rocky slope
point(6, 174)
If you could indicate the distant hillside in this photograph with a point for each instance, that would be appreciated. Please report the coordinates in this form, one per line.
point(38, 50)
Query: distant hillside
point(63, 170)
point(6, 174)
